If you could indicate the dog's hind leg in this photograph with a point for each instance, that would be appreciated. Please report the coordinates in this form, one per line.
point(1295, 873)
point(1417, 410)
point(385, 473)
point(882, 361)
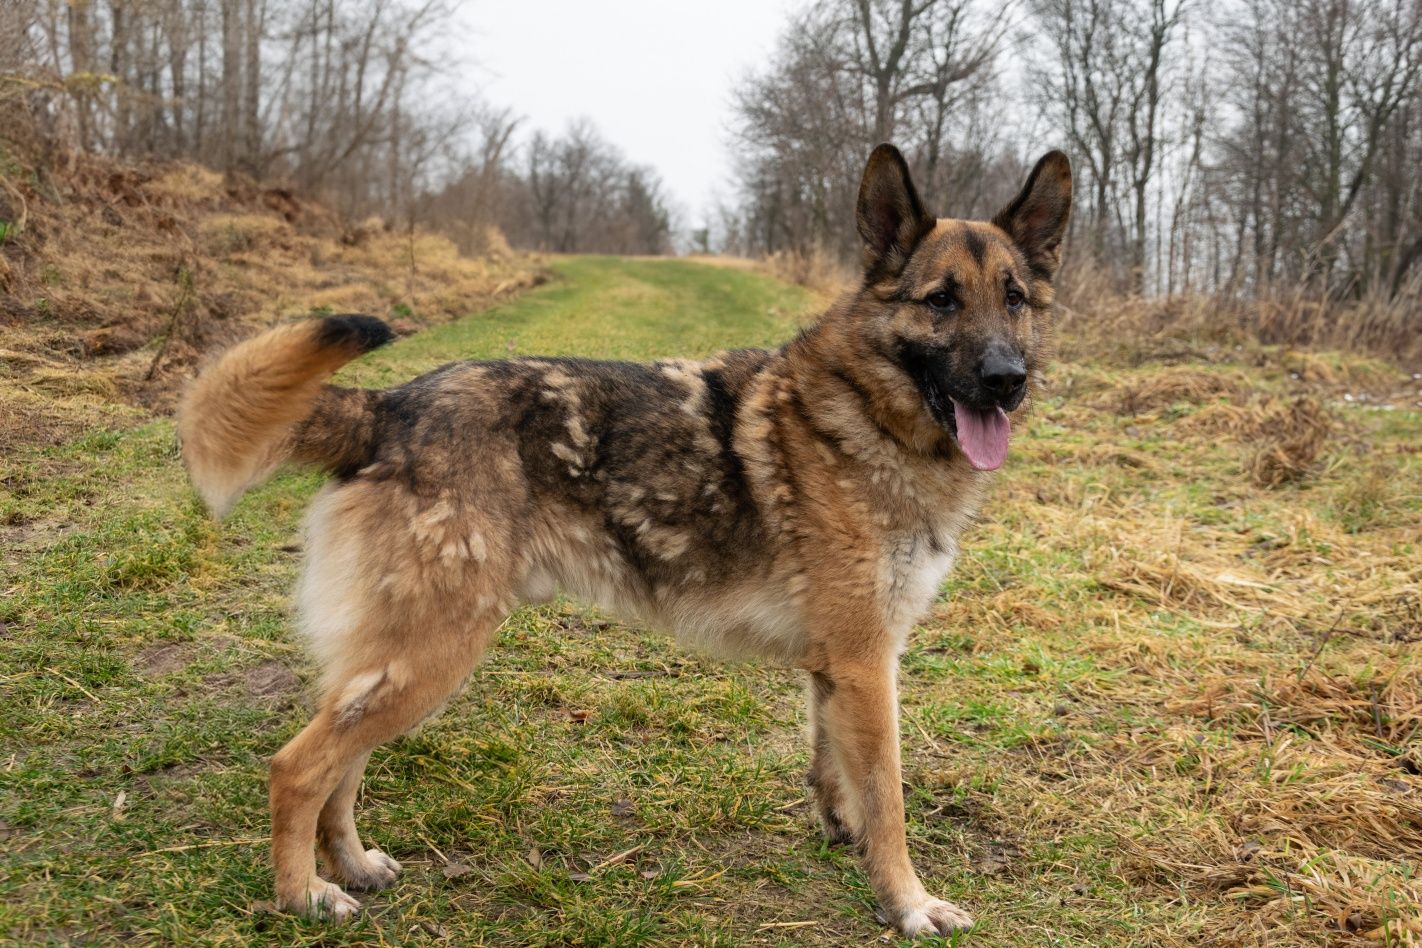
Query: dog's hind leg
point(824, 778)
point(387, 685)
point(338, 842)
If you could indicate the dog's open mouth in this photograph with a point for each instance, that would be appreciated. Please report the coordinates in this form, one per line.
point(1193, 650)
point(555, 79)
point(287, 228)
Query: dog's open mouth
point(982, 433)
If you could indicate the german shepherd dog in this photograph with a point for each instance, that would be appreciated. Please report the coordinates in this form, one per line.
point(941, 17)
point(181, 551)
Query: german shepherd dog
point(802, 505)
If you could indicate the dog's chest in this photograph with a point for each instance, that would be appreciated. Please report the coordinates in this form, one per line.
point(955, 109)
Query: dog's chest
point(918, 557)
point(912, 571)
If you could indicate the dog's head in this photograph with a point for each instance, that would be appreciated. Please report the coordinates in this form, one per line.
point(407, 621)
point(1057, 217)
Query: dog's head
point(961, 309)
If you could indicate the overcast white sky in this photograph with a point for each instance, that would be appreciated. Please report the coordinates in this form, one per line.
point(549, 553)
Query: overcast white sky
point(654, 75)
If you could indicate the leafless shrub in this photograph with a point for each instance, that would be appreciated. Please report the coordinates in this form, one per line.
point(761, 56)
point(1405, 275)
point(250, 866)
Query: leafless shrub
point(816, 270)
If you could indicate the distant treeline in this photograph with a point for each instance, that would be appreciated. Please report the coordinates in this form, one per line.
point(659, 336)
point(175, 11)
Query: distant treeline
point(341, 98)
point(1239, 147)
point(1230, 146)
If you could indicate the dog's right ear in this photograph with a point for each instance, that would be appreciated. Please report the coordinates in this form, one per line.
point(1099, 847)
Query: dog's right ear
point(890, 216)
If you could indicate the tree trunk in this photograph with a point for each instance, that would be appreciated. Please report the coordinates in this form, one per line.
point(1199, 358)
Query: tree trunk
point(231, 84)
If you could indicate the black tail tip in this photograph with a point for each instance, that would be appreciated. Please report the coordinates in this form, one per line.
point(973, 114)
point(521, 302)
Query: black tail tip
point(362, 333)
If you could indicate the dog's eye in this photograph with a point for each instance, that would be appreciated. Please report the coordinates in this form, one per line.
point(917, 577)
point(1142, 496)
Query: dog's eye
point(942, 301)
point(1015, 299)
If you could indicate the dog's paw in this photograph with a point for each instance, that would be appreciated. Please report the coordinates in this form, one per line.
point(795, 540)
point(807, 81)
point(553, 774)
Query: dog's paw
point(320, 900)
point(933, 917)
point(370, 871)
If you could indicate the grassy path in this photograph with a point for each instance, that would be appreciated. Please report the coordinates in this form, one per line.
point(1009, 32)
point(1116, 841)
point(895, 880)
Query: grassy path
point(1121, 726)
point(612, 309)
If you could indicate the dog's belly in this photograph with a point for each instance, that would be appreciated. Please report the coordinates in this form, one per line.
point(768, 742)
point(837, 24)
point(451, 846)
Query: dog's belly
point(726, 615)
point(734, 616)
point(593, 573)
point(746, 621)
point(741, 621)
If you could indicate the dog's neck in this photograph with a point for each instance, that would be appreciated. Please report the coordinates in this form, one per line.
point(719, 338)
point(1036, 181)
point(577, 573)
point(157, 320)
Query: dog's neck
point(851, 388)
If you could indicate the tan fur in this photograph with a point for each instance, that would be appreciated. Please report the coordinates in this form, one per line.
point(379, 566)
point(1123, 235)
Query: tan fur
point(235, 420)
point(802, 505)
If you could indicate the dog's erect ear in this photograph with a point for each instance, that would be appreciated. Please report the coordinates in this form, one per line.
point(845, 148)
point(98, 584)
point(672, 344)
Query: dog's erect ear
point(890, 216)
point(1036, 220)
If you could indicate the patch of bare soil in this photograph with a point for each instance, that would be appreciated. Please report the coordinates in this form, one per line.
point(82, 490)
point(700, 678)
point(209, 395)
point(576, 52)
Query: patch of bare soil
point(271, 680)
point(163, 659)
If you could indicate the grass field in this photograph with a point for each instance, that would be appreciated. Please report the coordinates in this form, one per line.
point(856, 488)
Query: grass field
point(1158, 702)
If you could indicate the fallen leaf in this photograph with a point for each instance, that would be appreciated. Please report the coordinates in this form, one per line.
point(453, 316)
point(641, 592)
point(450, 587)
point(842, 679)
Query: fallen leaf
point(453, 870)
point(619, 858)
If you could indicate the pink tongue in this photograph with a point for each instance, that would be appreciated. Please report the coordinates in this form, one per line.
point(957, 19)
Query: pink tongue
point(982, 435)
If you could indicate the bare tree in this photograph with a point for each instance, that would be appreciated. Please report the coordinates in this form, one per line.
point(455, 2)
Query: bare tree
point(1104, 80)
point(1325, 98)
point(586, 197)
point(847, 75)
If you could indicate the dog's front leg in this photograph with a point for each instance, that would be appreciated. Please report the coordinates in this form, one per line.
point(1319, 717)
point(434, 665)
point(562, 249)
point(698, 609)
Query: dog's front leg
point(859, 706)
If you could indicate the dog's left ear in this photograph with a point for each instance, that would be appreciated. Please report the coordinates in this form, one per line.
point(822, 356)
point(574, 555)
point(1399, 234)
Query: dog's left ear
point(1036, 220)
point(890, 216)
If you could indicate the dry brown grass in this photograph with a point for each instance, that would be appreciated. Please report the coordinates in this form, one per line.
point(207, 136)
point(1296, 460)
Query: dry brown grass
point(1291, 440)
point(1169, 386)
point(125, 275)
point(1098, 321)
point(1224, 638)
point(818, 271)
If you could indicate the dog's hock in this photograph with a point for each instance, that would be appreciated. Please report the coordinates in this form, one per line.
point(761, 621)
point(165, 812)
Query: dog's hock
point(363, 693)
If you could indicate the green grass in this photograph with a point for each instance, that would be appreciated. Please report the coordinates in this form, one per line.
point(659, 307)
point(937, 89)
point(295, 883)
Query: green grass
point(595, 785)
point(145, 652)
point(612, 309)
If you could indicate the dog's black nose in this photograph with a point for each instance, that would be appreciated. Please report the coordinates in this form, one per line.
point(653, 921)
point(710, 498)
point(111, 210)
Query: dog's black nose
point(1003, 375)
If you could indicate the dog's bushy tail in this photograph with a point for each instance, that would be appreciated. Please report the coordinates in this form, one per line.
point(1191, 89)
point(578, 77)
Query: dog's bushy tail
point(264, 401)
